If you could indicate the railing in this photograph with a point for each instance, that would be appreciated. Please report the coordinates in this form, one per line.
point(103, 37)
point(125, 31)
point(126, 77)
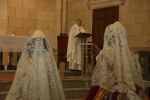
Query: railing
point(89, 52)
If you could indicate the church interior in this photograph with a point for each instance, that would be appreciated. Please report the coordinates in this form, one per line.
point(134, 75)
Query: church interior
point(55, 18)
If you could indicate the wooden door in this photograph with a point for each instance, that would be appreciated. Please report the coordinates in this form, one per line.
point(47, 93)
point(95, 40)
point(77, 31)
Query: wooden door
point(101, 19)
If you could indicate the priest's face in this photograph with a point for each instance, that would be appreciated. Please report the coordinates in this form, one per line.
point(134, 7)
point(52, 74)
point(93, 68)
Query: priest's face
point(79, 23)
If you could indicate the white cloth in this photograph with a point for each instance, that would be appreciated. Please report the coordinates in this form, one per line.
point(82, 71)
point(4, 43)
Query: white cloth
point(74, 48)
point(36, 77)
point(12, 43)
point(117, 67)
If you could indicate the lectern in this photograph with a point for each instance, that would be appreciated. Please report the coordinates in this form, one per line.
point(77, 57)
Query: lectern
point(84, 36)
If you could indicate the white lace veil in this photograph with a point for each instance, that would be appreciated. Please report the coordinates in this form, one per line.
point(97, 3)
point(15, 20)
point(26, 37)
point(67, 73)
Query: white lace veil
point(118, 60)
point(37, 76)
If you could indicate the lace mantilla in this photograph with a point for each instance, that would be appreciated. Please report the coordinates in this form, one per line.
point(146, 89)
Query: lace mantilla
point(36, 77)
point(117, 68)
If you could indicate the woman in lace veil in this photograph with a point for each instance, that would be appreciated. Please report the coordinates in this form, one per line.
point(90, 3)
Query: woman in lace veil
point(117, 72)
point(36, 77)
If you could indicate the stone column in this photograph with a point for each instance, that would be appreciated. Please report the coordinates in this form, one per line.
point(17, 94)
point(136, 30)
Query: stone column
point(3, 16)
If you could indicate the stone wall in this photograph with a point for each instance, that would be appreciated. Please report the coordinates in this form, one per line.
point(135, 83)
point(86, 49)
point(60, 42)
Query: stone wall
point(26, 16)
point(135, 16)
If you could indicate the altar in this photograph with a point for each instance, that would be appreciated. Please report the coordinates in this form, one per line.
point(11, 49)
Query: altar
point(11, 47)
point(12, 43)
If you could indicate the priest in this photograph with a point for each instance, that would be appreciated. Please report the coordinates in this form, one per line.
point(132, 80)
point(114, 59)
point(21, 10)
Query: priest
point(74, 47)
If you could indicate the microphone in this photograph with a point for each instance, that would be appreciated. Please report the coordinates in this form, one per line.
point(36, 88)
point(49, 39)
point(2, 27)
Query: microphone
point(87, 28)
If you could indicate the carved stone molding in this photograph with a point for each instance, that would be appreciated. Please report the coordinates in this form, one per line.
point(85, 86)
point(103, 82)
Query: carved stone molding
point(95, 4)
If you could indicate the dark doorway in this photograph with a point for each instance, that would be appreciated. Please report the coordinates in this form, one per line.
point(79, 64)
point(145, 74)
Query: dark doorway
point(101, 19)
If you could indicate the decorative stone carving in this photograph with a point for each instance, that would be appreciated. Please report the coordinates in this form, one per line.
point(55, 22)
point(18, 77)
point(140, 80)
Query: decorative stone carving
point(94, 4)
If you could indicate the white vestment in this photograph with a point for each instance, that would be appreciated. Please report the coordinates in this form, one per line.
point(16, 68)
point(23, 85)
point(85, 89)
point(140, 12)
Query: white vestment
point(74, 48)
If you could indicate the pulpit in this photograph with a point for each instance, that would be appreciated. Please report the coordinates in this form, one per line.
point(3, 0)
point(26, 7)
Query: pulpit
point(62, 43)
